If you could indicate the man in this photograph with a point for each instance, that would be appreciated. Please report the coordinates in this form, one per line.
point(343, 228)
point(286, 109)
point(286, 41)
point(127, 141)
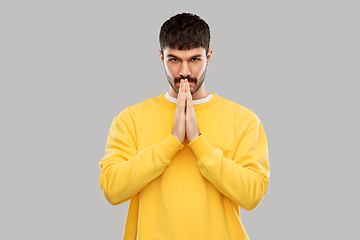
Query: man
point(187, 159)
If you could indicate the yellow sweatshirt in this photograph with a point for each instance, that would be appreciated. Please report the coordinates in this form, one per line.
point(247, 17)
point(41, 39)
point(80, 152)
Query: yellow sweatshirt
point(185, 190)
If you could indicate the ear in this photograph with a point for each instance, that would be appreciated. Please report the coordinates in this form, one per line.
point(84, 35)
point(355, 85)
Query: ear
point(208, 57)
point(162, 58)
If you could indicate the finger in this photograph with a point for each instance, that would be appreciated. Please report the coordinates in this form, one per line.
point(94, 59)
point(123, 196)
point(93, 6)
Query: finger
point(189, 96)
point(183, 97)
point(184, 88)
point(181, 87)
point(188, 89)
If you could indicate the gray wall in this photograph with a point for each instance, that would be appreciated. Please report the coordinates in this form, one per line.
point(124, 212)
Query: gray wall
point(68, 67)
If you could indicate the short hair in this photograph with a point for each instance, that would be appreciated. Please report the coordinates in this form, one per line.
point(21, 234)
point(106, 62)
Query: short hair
point(184, 31)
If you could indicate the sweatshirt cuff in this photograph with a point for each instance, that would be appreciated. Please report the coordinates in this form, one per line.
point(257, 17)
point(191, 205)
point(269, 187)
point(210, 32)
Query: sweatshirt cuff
point(169, 147)
point(201, 148)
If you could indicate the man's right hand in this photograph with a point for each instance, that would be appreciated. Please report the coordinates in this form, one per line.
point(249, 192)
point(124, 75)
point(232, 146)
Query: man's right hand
point(179, 121)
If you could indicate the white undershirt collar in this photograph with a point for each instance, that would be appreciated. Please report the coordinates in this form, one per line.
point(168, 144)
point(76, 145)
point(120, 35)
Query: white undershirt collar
point(197, 101)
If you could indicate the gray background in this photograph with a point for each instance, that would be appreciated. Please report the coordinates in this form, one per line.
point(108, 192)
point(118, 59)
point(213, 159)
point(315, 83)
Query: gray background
point(68, 67)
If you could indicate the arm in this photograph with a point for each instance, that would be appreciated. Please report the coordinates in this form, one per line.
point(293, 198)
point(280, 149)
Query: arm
point(243, 180)
point(124, 170)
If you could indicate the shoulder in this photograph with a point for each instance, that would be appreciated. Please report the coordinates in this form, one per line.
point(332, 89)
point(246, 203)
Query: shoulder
point(239, 112)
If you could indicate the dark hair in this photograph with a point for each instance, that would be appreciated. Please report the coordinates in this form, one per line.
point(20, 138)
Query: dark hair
point(185, 31)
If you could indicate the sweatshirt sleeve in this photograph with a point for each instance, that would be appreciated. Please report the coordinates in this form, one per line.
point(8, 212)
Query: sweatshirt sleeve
point(124, 170)
point(244, 179)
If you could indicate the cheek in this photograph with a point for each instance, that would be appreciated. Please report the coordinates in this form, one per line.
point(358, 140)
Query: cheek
point(170, 71)
point(199, 70)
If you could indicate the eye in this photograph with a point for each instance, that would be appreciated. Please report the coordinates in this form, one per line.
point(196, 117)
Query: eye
point(173, 60)
point(196, 59)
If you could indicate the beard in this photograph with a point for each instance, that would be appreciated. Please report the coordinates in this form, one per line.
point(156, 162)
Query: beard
point(198, 82)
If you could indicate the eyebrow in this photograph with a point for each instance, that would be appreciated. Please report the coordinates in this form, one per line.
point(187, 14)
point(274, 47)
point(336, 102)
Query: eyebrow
point(195, 56)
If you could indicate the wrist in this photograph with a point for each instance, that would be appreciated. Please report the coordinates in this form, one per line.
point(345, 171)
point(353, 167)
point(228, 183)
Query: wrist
point(192, 138)
point(179, 139)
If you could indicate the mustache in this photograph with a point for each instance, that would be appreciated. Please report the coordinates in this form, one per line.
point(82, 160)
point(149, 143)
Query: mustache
point(190, 79)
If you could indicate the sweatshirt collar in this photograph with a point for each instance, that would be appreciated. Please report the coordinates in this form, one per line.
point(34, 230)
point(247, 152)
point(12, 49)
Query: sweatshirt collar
point(199, 105)
point(195, 102)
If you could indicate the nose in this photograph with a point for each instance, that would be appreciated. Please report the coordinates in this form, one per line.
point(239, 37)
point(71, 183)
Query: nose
point(185, 71)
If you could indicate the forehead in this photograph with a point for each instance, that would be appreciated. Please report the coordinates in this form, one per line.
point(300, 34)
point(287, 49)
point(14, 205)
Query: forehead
point(185, 53)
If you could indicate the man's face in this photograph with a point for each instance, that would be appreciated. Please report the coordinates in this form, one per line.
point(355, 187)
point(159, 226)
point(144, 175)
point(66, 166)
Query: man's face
point(186, 64)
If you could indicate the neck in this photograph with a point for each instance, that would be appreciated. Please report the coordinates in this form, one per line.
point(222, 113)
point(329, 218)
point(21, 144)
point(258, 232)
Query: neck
point(200, 95)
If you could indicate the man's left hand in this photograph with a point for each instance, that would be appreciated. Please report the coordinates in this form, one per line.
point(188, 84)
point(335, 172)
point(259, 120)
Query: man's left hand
point(191, 127)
